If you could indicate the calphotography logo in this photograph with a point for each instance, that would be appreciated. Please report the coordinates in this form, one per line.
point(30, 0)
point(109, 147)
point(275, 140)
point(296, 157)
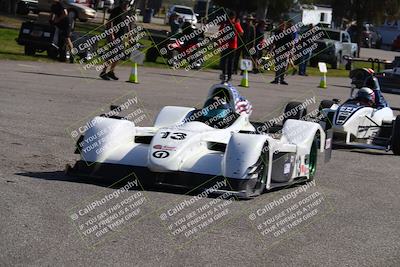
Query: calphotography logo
point(190, 217)
point(92, 137)
point(109, 212)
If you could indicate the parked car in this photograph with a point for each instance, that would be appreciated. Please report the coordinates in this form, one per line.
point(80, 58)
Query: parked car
point(184, 12)
point(40, 36)
point(26, 6)
point(79, 11)
point(370, 36)
point(396, 44)
point(331, 48)
point(75, 10)
point(109, 4)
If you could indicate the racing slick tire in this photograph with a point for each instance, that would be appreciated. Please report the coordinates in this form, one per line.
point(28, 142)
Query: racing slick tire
point(325, 104)
point(299, 113)
point(312, 165)
point(396, 136)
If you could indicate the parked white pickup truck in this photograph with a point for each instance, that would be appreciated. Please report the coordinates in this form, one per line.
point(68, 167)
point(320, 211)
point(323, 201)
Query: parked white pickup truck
point(332, 46)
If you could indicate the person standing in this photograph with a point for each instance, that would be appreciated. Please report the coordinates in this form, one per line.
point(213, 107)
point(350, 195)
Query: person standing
point(282, 51)
point(292, 64)
point(229, 46)
point(246, 41)
point(306, 53)
point(260, 32)
point(117, 16)
point(59, 17)
point(174, 24)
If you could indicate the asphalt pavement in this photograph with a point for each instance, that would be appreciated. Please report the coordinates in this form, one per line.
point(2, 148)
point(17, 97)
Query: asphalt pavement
point(357, 222)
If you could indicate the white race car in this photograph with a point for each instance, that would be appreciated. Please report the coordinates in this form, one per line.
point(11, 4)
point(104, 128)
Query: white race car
point(195, 147)
point(365, 120)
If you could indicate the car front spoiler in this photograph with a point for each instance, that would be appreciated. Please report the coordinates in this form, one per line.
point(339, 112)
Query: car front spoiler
point(241, 188)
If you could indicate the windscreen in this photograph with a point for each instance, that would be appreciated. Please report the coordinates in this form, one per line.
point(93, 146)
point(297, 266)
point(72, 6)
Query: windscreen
point(183, 11)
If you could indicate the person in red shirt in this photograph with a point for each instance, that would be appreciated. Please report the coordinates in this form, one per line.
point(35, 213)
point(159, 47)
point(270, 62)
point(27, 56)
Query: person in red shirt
point(230, 30)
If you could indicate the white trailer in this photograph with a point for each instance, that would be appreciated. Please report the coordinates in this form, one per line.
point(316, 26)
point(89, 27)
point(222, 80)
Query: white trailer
point(311, 14)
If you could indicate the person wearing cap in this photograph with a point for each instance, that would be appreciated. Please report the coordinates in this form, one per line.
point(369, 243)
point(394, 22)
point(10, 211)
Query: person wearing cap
point(117, 16)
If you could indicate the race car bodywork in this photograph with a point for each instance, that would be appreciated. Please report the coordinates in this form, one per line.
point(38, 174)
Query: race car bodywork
point(362, 126)
point(181, 149)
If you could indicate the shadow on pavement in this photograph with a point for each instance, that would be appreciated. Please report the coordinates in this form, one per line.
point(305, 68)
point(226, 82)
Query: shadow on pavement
point(114, 183)
point(60, 75)
point(22, 54)
point(362, 151)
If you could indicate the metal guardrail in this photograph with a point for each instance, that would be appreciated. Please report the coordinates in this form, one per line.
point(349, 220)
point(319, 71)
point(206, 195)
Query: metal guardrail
point(374, 61)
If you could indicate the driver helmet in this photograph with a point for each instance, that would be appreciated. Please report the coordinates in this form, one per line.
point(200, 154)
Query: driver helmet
point(216, 109)
point(366, 94)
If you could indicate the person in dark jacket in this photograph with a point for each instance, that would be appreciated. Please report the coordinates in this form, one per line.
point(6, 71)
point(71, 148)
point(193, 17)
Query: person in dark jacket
point(246, 41)
point(306, 53)
point(260, 31)
point(282, 52)
point(59, 17)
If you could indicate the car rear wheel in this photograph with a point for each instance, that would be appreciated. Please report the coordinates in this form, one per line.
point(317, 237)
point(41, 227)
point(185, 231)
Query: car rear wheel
point(52, 52)
point(29, 50)
point(295, 111)
point(396, 136)
point(378, 44)
point(325, 104)
point(312, 160)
